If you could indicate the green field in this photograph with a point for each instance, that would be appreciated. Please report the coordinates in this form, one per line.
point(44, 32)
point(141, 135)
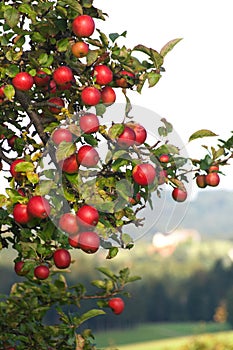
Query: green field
point(155, 336)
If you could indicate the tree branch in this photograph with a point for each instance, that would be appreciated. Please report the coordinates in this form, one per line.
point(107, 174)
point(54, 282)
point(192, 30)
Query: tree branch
point(5, 158)
point(25, 103)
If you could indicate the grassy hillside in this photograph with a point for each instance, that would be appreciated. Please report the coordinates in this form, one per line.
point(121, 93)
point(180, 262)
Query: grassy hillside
point(154, 332)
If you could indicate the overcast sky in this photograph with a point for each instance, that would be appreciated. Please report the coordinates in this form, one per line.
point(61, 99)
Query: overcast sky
point(196, 91)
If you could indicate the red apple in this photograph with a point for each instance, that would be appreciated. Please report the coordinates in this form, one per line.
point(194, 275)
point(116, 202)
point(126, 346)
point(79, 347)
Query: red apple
point(63, 75)
point(122, 81)
point(108, 95)
point(62, 258)
point(117, 305)
point(83, 26)
point(201, 181)
point(162, 177)
point(164, 158)
point(57, 101)
point(23, 81)
point(41, 272)
point(126, 138)
point(103, 74)
point(89, 123)
point(179, 195)
point(73, 241)
point(87, 216)
point(135, 200)
point(70, 165)
point(87, 156)
point(18, 268)
point(140, 133)
point(11, 141)
point(89, 241)
point(60, 135)
point(144, 174)
point(41, 78)
point(13, 172)
point(20, 214)
point(68, 223)
point(212, 179)
point(21, 191)
point(80, 49)
point(213, 168)
point(38, 207)
point(2, 94)
point(90, 96)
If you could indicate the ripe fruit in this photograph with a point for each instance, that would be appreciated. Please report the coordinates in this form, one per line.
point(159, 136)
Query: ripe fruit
point(162, 177)
point(123, 82)
point(87, 156)
point(2, 94)
point(70, 165)
point(73, 241)
point(11, 141)
point(23, 81)
point(58, 102)
point(63, 75)
point(41, 78)
point(62, 258)
point(212, 179)
point(20, 214)
point(41, 272)
point(13, 172)
point(179, 195)
point(89, 123)
point(201, 181)
point(108, 95)
point(38, 207)
point(18, 268)
point(21, 191)
point(69, 223)
point(117, 305)
point(87, 216)
point(134, 200)
point(89, 242)
point(80, 49)
point(213, 168)
point(144, 174)
point(83, 26)
point(140, 133)
point(90, 96)
point(164, 158)
point(126, 138)
point(103, 74)
point(60, 135)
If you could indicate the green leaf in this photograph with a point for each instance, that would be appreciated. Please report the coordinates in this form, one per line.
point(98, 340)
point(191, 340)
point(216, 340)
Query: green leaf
point(87, 315)
point(153, 78)
point(116, 130)
point(201, 133)
point(143, 49)
point(126, 238)
point(91, 140)
point(107, 273)
point(169, 46)
point(12, 70)
point(65, 150)
point(3, 200)
point(115, 36)
point(74, 5)
point(112, 253)
point(98, 283)
point(37, 37)
point(168, 125)
point(156, 58)
point(100, 109)
point(92, 56)
point(63, 44)
point(9, 92)
point(11, 16)
point(24, 167)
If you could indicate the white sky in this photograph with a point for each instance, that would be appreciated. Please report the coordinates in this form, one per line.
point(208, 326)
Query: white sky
point(196, 91)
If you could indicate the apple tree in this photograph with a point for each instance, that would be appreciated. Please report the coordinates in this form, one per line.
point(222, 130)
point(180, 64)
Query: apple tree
point(59, 75)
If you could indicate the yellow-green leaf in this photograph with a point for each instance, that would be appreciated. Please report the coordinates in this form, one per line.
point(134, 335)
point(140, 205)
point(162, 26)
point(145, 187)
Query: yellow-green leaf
point(201, 133)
